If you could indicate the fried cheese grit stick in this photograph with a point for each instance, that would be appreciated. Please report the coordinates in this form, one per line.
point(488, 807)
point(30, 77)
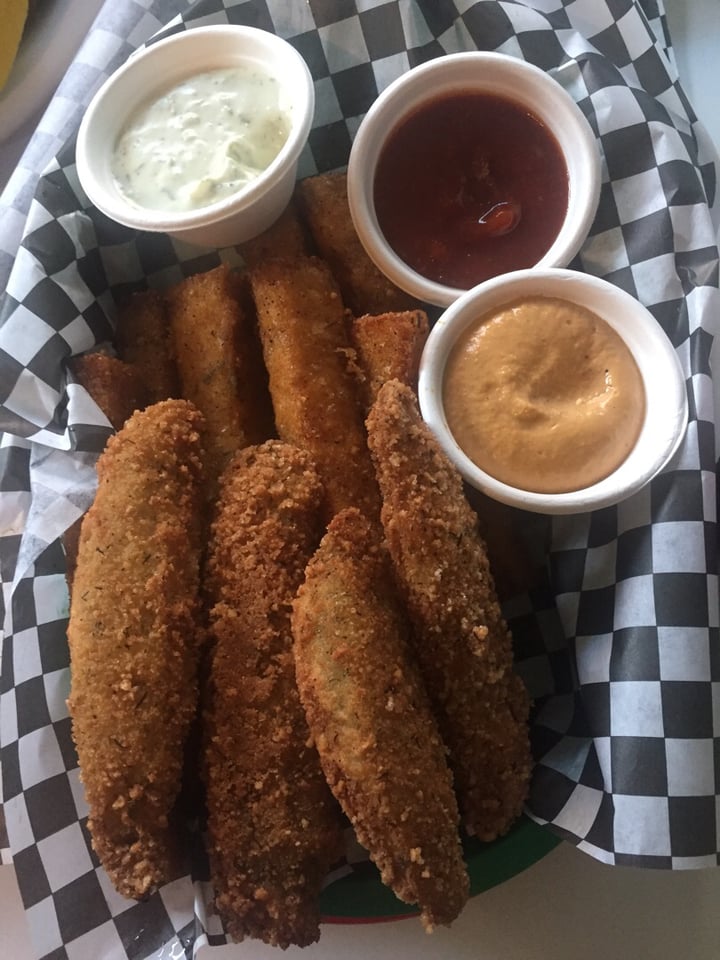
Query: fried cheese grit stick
point(463, 644)
point(114, 385)
point(134, 640)
point(388, 347)
point(274, 828)
point(315, 396)
point(143, 341)
point(371, 720)
point(322, 201)
point(285, 238)
point(220, 363)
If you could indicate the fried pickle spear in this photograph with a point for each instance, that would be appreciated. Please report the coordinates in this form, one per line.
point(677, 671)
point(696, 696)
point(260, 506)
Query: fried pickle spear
point(220, 363)
point(371, 720)
point(323, 202)
point(134, 641)
point(273, 825)
point(388, 347)
point(463, 644)
point(315, 397)
point(143, 341)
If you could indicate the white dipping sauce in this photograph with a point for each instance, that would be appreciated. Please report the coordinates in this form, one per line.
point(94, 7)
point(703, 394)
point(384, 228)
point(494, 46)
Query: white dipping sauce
point(202, 140)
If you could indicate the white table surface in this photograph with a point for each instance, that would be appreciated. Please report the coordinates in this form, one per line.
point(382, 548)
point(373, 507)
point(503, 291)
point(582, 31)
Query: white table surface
point(567, 906)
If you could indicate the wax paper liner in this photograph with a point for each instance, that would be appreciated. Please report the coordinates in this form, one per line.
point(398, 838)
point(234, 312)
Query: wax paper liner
point(619, 647)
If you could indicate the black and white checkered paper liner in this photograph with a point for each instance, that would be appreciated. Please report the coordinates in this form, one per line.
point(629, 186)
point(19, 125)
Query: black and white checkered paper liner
point(620, 649)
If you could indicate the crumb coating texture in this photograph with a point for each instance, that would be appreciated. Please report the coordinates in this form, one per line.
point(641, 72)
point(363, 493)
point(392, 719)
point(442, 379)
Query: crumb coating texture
point(371, 720)
point(274, 828)
point(134, 640)
point(462, 641)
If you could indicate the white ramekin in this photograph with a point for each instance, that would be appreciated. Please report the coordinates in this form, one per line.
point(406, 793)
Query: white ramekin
point(157, 68)
point(666, 410)
point(491, 73)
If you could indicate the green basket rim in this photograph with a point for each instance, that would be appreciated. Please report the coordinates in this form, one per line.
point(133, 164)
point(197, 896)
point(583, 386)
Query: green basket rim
point(361, 897)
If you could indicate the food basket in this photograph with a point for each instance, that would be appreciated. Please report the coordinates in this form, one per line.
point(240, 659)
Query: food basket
point(618, 643)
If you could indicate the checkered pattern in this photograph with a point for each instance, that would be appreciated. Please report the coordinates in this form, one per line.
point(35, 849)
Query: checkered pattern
point(5, 851)
point(619, 647)
point(117, 33)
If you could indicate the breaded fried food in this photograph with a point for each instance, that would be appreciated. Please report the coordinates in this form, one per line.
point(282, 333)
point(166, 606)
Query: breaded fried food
point(323, 203)
point(115, 386)
point(220, 363)
point(286, 238)
point(388, 347)
point(370, 717)
point(134, 641)
point(143, 340)
point(462, 641)
point(315, 396)
point(273, 826)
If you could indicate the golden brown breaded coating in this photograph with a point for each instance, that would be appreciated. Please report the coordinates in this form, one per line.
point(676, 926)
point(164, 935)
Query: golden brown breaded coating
point(220, 363)
point(323, 203)
point(315, 396)
point(273, 826)
point(143, 340)
point(370, 717)
point(286, 238)
point(115, 386)
point(388, 347)
point(134, 640)
point(463, 644)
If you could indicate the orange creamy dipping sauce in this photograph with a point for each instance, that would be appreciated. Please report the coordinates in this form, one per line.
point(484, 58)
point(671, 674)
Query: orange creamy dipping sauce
point(544, 395)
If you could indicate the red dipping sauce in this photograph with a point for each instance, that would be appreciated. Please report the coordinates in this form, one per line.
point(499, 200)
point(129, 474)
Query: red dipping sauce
point(469, 186)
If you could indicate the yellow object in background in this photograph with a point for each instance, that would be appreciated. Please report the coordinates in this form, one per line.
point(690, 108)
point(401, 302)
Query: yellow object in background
point(13, 14)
